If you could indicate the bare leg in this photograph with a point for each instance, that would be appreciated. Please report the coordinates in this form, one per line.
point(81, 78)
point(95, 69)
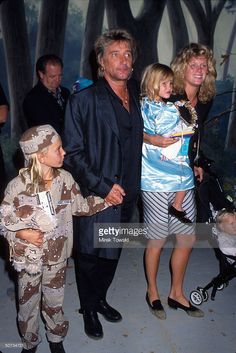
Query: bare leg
point(178, 200)
point(179, 262)
point(152, 259)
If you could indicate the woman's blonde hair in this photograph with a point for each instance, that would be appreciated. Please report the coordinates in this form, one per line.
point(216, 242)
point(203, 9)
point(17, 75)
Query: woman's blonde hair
point(32, 175)
point(179, 64)
point(151, 78)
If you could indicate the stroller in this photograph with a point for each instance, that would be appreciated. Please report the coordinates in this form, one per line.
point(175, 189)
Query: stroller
point(227, 264)
point(211, 201)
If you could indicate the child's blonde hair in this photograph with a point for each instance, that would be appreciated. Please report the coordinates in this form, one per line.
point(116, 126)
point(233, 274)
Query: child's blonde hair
point(151, 78)
point(32, 175)
point(221, 217)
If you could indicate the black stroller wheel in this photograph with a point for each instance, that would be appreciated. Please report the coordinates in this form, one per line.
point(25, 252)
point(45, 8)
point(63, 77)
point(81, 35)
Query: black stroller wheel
point(220, 287)
point(196, 297)
point(204, 293)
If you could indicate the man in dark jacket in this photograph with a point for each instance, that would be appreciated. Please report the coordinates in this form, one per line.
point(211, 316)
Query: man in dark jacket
point(46, 101)
point(103, 140)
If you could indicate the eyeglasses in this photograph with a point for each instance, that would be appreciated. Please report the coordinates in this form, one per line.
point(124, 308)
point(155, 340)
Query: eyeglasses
point(195, 67)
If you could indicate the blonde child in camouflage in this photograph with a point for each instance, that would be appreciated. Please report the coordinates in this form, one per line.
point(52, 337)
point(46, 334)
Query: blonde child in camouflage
point(36, 216)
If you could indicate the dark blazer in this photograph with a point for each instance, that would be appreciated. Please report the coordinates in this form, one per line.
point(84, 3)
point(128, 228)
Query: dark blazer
point(40, 107)
point(94, 157)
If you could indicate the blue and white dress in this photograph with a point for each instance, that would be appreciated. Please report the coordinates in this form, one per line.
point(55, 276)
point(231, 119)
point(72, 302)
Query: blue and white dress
point(161, 171)
point(165, 173)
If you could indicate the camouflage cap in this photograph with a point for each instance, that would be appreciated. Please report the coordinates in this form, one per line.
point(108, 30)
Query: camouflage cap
point(37, 138)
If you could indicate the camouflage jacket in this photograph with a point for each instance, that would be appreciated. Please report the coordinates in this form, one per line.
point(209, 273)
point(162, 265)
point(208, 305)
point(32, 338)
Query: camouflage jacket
point(51, 212)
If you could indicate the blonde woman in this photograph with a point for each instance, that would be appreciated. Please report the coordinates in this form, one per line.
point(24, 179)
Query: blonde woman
point(194, 79)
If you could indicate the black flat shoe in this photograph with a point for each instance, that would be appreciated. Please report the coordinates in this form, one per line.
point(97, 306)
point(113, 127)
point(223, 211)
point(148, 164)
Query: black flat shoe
point(190, 310)
point(156, 308)
point(92, 325)
point(56, 347)
point(180, 215)
point(109, 313)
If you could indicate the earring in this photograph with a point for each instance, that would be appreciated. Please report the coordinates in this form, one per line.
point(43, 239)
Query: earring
point(130, 73)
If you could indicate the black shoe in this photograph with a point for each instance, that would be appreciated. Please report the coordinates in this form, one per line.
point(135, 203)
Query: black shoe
point(156, 308)
point(31, 350)
point(92, 325)
point(180, 215)
point(190, 310)
point(56, 347)
point(109, 313)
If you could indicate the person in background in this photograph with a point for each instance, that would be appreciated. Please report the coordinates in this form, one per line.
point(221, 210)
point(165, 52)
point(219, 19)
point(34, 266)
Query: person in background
point(4, 108)
point(36, 215)
point(103, 141)
point(194, 81)
point(45, 103)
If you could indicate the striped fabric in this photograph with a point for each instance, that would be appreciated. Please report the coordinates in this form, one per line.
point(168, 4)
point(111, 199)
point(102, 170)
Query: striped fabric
point(157, 218)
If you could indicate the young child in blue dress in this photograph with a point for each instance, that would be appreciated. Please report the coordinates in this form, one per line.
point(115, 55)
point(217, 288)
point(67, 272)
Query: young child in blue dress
point(163, 118)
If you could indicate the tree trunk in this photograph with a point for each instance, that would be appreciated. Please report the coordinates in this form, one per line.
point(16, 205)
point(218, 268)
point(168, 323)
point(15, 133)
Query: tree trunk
point(17, 54)
point(178, 25)
point(52, 25)
point(93, 28)
point(230, 142)
point(144, 27)
point(229, 52)
point(205, 20)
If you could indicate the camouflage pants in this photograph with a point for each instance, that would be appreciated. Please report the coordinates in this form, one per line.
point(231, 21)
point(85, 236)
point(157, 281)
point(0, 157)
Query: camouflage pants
point(43, 292)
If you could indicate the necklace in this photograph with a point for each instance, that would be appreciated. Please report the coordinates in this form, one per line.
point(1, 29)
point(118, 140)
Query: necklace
point(125, 99)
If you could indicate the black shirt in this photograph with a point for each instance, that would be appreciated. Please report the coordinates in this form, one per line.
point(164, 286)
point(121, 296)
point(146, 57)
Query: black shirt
point(41, 107)
point(128, 131)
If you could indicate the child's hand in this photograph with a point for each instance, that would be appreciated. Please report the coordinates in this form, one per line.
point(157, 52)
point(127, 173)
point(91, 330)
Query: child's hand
point(33, 236)
point(115, 196)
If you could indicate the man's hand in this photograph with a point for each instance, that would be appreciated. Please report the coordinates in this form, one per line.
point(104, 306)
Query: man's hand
point(115, 196)
point(158, 140)
point(198, 172)
point(33, 236)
